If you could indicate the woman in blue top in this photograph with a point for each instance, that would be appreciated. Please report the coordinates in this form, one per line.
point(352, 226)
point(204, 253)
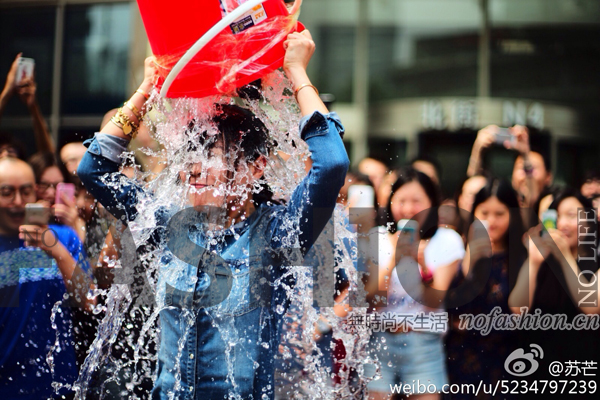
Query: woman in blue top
point(220, 318)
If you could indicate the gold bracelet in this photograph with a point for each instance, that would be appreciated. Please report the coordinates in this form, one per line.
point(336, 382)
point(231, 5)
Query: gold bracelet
point(302, 87)
point(146, 95)
point(134, 110)
point(121, 120)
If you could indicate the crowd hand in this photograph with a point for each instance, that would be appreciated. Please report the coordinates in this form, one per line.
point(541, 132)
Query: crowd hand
point(404, 246)
point(521, 143)
point(546, 245)
point(38, 236)
point(44, 203)
point(477, 249)
point(66, 213)
point(485, 138)
point(562, 245)
point(11, 85)
point(26, 91)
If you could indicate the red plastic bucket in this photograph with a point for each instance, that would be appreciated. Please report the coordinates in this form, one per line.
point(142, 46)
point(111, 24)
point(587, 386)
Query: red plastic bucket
point(243, 51)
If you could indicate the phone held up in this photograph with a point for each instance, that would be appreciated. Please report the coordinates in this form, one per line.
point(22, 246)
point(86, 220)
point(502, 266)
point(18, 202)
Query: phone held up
point(503, 135)
point(36, 214)
point(64, 190)
point(24, 69)
point(549, 218)
point(408, 228)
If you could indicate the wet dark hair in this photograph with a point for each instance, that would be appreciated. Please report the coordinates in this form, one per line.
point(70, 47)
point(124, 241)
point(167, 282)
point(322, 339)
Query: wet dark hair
point(243, 135)
point(41, 161)
point(407, 175)
point(239, 129)
point(504, 192)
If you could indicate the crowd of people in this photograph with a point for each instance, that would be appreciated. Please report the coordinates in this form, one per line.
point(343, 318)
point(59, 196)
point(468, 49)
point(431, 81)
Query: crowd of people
point(490, 232)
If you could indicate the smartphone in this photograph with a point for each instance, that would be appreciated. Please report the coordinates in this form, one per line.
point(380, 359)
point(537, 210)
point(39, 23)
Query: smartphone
point(66, 189)
point(361, 196)
point(549, 218)
point(36, 214)
point(409, 228)
point(502, 135)
point(24, 69)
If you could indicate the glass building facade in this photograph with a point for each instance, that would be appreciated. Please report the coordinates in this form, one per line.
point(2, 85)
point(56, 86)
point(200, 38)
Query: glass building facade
point(85, 62)
point(410, 77)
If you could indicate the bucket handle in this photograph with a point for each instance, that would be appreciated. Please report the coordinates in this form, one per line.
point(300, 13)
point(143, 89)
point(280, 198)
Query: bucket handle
point(204, 40)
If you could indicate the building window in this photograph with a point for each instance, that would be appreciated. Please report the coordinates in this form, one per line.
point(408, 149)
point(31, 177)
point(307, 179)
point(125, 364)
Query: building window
point(95, 58)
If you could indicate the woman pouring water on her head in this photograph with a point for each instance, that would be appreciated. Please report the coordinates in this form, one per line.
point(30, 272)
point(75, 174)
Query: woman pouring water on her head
point(228, 349)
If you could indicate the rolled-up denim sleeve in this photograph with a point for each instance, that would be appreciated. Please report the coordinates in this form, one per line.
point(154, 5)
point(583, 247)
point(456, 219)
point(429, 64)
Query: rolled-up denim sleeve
point(99, 173)
point(109, 146)
point(313, 201)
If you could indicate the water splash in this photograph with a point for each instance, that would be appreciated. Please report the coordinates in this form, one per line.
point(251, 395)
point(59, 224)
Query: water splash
point(305, 373)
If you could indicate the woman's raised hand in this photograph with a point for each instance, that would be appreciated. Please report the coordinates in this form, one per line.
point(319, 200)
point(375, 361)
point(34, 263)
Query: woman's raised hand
point(299, 48)
point(150, 74)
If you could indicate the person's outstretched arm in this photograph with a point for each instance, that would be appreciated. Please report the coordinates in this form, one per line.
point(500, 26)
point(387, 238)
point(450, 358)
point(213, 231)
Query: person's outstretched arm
point(77, 282)
point(26, 91)
point(485, 138)
point(10, 85)
point(114, 191)
point(313, 201)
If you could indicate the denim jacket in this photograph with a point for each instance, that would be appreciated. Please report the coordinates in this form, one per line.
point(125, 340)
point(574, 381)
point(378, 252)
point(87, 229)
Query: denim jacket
point(211, 345)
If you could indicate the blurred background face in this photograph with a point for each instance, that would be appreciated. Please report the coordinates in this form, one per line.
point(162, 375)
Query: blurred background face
point(409, 200)
point(567, 220)
point(590, 188)
point(46, 187)
point(428, 169)
point(470, 188)
point(71, 155)
point(17, 188)
point(541, 176)
point(497, 215)
point(374, 169)
point(207, 181)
